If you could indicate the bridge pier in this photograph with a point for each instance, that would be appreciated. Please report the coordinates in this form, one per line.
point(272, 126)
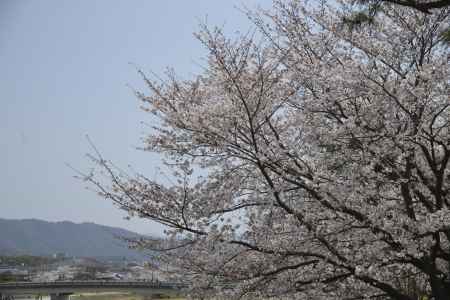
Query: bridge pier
point(59, 296)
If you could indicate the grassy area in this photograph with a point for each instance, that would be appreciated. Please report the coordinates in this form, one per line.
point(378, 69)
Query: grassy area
point(119, 296)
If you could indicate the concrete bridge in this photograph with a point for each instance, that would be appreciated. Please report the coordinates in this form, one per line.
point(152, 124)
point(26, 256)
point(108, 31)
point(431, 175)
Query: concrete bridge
point(61, 290)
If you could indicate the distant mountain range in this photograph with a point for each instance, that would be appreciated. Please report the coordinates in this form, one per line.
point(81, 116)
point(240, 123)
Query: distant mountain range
point(37, 237)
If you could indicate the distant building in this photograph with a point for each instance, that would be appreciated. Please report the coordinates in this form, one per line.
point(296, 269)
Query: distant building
point(60, 255)
point(109, 276)
point(12, 271)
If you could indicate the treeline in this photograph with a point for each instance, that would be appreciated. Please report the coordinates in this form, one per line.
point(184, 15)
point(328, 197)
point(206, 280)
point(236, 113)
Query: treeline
point(27, 260)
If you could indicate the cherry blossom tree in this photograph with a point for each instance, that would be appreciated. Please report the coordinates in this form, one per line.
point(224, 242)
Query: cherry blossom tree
point(310, 159)
point(424, 6)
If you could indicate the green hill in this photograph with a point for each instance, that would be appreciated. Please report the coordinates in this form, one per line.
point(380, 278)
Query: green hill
point(37, 237)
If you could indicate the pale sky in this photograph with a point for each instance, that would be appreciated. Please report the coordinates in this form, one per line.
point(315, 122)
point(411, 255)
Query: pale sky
point(65, 67)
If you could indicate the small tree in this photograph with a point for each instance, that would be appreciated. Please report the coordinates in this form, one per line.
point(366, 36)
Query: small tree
point(326, 151)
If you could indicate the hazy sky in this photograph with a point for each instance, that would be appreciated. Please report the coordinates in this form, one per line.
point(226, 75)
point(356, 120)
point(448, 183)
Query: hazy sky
point(64, 74)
